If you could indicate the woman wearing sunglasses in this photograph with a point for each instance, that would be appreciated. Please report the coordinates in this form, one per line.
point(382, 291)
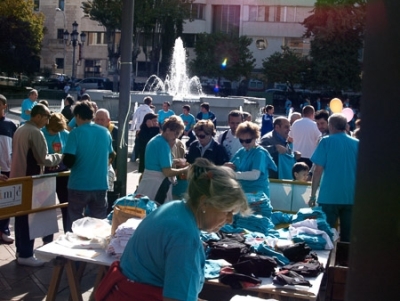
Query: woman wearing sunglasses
point(252, 161)
point(205, 146)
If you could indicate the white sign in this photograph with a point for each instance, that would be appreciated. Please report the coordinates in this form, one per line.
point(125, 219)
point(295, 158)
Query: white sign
point(43, 195)
point(10, 195)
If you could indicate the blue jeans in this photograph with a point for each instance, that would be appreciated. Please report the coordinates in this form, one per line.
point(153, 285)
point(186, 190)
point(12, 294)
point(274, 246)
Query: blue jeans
point(78, 200)
point(344, 213)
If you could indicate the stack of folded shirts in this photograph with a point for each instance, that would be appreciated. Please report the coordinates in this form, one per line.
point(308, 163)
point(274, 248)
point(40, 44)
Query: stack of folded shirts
point(121, 237)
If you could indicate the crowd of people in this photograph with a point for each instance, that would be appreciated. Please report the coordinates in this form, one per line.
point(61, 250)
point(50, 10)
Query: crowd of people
point(214, 174)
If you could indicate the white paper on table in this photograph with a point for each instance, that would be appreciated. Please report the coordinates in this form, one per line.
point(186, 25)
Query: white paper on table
point(43, 195)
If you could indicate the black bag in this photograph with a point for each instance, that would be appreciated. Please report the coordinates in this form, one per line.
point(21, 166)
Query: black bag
point(308, 268)
point(236, 280)
point(296, 252)
point(228, 249)
point(257, 265)
point(287, 277)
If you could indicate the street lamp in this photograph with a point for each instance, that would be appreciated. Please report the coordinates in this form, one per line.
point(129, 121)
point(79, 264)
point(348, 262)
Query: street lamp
point(74, 41)
point(64, 39)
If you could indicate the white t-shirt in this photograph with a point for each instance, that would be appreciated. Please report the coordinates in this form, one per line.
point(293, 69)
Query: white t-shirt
point(138, 116)
point(305, 136)
point(231, 143)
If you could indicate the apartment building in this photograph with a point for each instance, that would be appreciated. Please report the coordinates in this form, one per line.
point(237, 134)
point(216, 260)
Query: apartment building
point(270, 23)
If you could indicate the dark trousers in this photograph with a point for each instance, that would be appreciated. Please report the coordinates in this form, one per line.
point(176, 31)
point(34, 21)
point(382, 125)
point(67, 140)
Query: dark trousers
point(341, 212)
point(22, 241)
point(4, 223)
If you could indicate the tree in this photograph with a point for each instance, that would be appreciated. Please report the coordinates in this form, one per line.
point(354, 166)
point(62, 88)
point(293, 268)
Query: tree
point(336, 29)
point(285, 67)
point(222, 55)
point(21, 35)
point(157, 21)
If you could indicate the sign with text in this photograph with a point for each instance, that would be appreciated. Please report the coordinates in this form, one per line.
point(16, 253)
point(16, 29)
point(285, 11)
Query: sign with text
point(10, 195)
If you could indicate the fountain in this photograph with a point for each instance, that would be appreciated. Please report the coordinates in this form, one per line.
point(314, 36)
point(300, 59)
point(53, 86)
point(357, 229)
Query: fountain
point(179, 89)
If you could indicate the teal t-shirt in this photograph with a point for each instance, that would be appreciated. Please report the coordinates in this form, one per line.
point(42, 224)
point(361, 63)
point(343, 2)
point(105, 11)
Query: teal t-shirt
point(158, 154)
point(27, 104)
point(162, 115)
point(337, 154)
point(91, 144)
point(188, 120)
point(256, 158)
point(166, 251)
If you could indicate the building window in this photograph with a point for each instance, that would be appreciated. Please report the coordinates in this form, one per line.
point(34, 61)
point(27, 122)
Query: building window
point(96, 38)
point(189, 40)
point(226, 19)
point(36, 5)
point(92, 68)
point(197, 11)
point(298, 45)
point(60, 63)
point(61, 4)
point(60, 34)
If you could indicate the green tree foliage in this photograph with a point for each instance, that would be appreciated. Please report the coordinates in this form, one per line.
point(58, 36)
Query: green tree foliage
point(150, 17)
point(285, 67)
point(212, 50)
point(336, 29)
point(21, 35)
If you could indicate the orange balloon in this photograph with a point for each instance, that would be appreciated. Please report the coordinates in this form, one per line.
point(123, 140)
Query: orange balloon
point(336, 105)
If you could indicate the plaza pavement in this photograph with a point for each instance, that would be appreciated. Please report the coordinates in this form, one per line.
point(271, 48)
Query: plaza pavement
point(31, 283)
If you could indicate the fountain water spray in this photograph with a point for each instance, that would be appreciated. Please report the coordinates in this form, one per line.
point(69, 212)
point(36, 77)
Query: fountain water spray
point(176, 83)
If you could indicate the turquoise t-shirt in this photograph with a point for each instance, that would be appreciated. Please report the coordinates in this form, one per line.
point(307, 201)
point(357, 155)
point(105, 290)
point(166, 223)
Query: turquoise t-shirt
point(55, 143)
point(188, 120)
point(166, 251)
point(162, 115)
point(27, 104)
point(337, 154)
point(158, 154)
point(256, 158)
point(72, 124)
point(91, 144)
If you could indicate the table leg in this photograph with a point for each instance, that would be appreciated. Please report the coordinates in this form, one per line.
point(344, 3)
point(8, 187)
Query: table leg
point(73, 281)
point(100, 274)
point(59, 264)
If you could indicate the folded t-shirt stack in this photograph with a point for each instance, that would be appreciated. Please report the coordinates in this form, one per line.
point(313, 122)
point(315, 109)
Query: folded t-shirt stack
point(121, 237)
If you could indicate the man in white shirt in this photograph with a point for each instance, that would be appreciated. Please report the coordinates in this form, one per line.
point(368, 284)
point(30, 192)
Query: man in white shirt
point(140, 112)
point(228, 139)
point(305, 135)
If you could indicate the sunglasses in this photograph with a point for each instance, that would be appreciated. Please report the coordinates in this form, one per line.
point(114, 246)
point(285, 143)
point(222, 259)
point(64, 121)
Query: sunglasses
point(247, 141)
point(201, 136)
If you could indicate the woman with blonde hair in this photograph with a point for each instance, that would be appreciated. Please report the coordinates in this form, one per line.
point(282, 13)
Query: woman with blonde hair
point(164, 259)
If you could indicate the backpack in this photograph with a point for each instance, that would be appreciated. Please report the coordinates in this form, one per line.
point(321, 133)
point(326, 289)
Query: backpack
point(287, 277)
point(224, 136)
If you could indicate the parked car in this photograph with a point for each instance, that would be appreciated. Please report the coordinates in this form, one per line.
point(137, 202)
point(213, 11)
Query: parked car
point(95, 83)
point(57, 81)
point(39, 80)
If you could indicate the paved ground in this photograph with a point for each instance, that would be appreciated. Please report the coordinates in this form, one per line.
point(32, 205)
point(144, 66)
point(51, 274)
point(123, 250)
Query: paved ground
point(31, 284)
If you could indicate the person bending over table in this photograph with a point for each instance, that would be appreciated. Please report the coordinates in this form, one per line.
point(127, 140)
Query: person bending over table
point(251, 162)
point(158, 162)
point(164, 259)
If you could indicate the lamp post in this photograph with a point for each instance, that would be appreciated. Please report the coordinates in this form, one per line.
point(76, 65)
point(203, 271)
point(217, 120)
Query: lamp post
point(74, 41)
point(64, 39)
